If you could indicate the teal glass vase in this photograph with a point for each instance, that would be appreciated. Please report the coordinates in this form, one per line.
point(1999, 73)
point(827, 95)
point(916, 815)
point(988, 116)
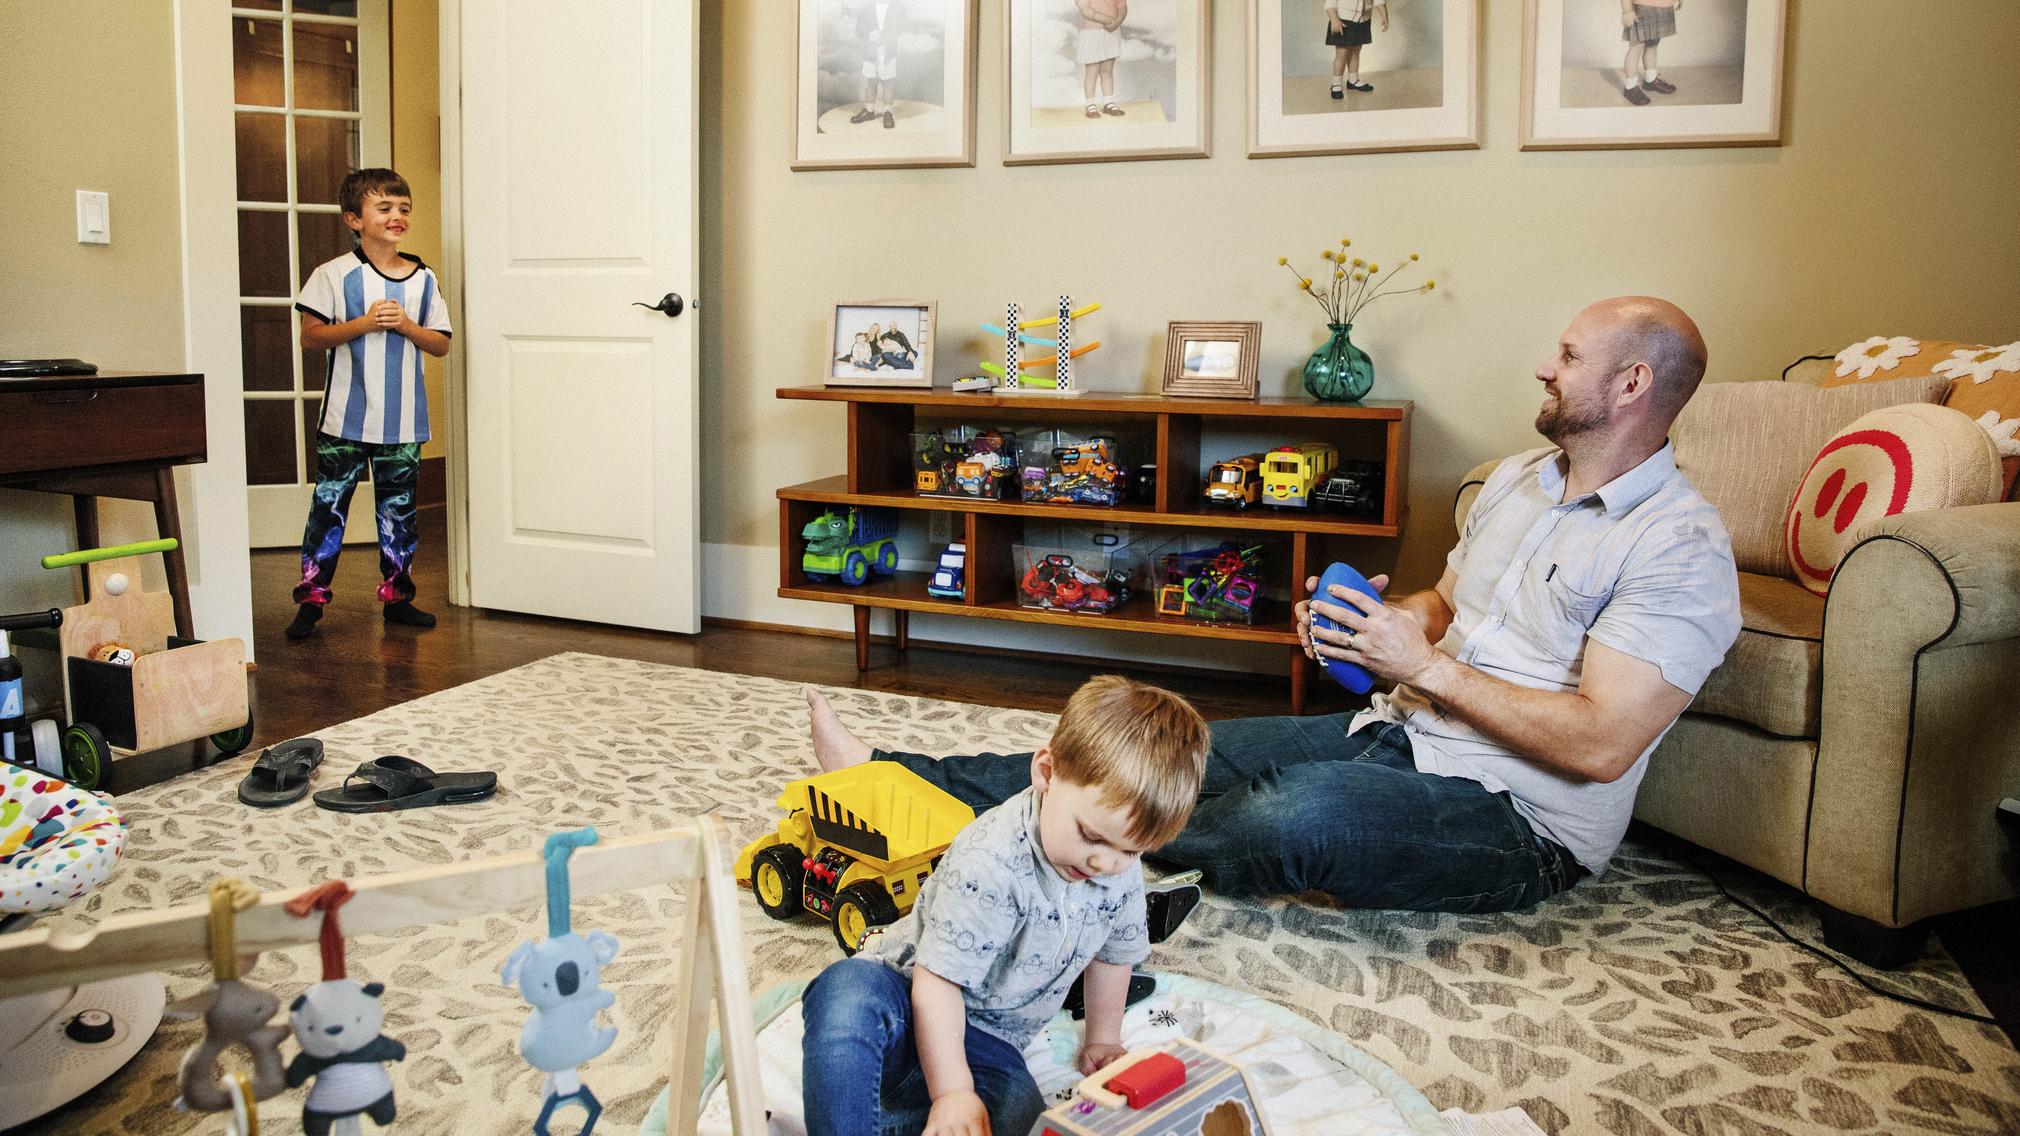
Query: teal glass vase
point(1339, 371)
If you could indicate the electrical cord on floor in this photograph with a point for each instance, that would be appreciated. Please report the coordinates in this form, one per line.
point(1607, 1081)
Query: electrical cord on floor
point(1827, 956)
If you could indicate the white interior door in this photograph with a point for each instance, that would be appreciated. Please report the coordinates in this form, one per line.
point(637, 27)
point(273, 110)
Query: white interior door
point(578, 175)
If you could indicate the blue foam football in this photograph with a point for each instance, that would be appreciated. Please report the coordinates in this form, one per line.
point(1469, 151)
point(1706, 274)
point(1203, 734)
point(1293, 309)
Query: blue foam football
point(1356, 679)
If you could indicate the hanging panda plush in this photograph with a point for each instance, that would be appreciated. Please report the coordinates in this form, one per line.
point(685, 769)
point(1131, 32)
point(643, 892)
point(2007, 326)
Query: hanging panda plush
point(337, 1023)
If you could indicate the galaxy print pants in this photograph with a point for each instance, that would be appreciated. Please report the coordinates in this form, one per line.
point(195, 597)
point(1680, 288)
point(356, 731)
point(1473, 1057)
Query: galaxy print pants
point(340, 462)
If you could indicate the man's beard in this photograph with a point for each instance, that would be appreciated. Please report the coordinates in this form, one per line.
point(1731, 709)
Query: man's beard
point(1559, 419)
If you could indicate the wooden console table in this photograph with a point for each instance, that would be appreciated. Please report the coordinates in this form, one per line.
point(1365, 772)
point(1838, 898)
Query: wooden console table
point(879, 451)
point(114, 434)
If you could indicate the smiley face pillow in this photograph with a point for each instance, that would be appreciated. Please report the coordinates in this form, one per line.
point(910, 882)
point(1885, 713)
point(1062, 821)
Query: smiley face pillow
point(1896, 460)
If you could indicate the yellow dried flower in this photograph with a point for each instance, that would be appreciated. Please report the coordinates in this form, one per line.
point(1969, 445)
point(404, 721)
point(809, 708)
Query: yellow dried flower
point(1339, 275)
point(1430, 284)
point(1374, 268)
point(1283, 260)
point(1304, 282)
point(1413, 256)
point(1359, 262)
point(1326, 254)
point(1345, 243)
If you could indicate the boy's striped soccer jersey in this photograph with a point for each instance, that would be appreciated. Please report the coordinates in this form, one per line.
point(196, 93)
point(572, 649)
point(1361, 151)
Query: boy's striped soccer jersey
point(374, 391)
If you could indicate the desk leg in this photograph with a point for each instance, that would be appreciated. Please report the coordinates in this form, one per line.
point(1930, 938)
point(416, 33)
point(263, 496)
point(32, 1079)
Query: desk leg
point(862, 638)
point(85, 508)
point(168, 522)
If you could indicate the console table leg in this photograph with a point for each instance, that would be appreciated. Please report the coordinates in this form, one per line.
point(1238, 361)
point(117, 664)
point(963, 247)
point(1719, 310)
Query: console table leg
point(168, 522)
point(862, 638)
point(904, 629)
point(1301, 680)
point(85, 508)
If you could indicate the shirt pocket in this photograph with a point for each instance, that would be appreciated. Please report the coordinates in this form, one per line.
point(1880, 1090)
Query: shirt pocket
point(1556, 606)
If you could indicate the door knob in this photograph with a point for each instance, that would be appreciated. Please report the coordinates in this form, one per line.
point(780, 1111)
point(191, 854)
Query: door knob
point(670, 303)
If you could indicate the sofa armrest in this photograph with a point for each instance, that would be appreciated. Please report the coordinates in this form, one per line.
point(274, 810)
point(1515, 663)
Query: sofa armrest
point(1919, 723)
point(1469, 488)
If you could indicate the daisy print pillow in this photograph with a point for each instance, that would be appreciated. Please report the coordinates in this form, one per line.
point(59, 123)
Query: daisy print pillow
point(1984, 384)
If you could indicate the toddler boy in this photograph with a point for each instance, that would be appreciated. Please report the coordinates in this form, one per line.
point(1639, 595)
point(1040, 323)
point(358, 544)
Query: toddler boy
point(374, 310)
point(929, 1021)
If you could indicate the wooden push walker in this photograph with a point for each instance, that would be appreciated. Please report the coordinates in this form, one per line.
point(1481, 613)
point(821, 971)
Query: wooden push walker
point(710, 971)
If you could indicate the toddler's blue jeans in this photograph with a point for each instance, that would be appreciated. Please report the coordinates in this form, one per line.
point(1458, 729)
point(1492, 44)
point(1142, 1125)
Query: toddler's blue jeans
point(860, 1068)
point(1295, 804)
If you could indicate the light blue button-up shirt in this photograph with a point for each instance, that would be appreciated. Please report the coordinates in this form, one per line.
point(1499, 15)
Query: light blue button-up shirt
point(1642, 564)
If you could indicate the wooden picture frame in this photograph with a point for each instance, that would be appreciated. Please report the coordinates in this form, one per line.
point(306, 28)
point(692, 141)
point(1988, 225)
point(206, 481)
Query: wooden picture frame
point(932, 94)
point(1423, 63)
point(1211, 359)
point(878, 360)
point(1727, 67)
point(1158, 83)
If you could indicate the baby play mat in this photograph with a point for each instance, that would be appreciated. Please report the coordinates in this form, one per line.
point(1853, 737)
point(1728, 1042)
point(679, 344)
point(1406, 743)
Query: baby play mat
point(1639, 1003)
point(1308, 1080)
point(57, 841)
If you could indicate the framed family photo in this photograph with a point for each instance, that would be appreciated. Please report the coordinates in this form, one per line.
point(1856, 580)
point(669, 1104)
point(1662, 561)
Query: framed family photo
point(1211, 359)
point(879, 84)
point(881, 343)
point(1362, 76)
point(1106, 80)
point(1611, 74)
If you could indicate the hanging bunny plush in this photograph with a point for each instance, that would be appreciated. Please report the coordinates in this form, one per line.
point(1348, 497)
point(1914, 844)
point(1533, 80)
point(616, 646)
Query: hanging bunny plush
point(560, 978)
point(235, 1012)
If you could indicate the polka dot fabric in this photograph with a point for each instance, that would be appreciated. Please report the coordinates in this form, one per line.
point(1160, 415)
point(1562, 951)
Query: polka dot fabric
point(1897, 460)
point(57, 842)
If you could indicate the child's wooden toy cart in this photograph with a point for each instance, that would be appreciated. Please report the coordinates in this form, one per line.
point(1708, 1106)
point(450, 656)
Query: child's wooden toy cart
point(174, 690)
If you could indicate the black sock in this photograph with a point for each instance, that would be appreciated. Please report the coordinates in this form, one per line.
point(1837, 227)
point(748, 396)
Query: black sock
point(305, 621)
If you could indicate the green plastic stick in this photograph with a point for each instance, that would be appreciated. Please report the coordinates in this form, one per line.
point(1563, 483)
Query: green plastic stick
point(94, 555)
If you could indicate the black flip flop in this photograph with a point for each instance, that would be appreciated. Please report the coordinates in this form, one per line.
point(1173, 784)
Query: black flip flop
point(280, 776)
point(384, 784)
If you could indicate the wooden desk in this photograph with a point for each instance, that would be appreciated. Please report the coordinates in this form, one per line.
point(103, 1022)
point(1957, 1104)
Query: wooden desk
point(115, 434)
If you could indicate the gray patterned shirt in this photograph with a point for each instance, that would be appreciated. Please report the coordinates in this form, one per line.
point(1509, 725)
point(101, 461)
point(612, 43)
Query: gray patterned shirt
point(997, 920)
point(1641, 564)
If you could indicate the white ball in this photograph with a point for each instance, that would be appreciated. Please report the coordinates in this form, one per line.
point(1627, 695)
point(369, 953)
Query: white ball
point(115, 584)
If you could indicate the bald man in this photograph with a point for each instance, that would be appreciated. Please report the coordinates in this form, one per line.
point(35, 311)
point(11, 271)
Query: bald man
point(1590, 593)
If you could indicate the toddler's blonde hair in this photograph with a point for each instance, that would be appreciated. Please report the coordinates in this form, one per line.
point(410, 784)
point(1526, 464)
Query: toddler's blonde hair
point(1143, 747)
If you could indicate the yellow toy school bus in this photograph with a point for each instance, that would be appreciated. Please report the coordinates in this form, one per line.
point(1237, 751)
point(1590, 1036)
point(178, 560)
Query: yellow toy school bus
point(1235, 481)
point(1290, 473)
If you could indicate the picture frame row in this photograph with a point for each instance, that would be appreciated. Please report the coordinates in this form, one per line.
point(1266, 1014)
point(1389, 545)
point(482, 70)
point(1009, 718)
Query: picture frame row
point(884, 84)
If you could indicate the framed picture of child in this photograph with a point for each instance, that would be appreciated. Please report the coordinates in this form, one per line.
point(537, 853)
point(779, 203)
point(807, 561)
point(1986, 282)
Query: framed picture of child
point(1612, 74)
point(1362, 76)
point(881, 343)
point(879, 84)
point(1106, 80)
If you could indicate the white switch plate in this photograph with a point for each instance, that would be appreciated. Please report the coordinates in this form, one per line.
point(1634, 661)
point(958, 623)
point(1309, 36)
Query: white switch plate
point(94, 218)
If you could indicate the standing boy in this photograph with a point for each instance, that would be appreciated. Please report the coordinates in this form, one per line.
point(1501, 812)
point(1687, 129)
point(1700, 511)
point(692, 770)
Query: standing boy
point(374, 310)
point(928, 1023)
point(1644, 24)
point(879, 23)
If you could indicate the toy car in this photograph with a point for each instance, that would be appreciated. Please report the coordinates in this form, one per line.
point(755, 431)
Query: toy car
point(850, 545)
point(854, 847)
point(947, 578)
point(1291, 472)
point(1237, 481)
point(1355, 488)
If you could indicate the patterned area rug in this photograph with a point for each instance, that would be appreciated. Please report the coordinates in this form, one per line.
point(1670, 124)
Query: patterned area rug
point(1638, 1003)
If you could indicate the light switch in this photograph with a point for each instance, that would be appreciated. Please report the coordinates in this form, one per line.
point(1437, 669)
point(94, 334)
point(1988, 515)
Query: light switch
point(94, 218)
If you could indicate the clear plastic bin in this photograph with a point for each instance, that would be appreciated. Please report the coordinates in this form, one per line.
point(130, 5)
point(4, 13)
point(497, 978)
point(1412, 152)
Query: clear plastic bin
point(1078, 570)
point(1062, 467)
point(1210, 578)
point(965, 461)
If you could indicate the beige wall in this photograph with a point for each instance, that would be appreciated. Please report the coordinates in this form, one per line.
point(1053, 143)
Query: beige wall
point(106, 121)
point(1891, 208)
point(417, 154)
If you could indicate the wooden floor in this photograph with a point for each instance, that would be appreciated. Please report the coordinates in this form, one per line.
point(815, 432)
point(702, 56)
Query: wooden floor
point(355, 665)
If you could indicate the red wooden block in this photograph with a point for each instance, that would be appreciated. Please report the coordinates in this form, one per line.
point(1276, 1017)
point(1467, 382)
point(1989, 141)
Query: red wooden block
point(1143, 1083)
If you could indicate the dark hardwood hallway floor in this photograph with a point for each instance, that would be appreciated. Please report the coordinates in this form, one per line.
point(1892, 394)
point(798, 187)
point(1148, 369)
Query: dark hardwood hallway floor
point(355, 665)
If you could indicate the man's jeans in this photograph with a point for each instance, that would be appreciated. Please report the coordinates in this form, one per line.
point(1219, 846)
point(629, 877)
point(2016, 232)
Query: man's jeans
point(1293, 804)
point(860, 1063)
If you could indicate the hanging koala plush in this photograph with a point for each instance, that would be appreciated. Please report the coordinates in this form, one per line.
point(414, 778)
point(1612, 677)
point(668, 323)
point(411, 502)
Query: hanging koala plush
point(337, 1023)
point(560, 978)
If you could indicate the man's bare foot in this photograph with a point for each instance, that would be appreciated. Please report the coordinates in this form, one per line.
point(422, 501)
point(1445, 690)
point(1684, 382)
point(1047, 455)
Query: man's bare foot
point(834, 746)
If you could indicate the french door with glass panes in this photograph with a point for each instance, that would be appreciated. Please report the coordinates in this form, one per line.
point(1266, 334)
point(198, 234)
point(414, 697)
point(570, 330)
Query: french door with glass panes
point(313, 102)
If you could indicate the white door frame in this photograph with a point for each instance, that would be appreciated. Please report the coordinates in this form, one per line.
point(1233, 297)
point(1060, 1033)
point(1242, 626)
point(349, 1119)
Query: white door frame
point(213, 503)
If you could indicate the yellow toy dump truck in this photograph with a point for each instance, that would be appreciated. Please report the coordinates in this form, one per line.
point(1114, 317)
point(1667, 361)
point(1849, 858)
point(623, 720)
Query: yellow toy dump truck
point(854, 848)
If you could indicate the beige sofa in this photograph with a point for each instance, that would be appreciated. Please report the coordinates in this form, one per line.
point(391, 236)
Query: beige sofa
point(1854, 747)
